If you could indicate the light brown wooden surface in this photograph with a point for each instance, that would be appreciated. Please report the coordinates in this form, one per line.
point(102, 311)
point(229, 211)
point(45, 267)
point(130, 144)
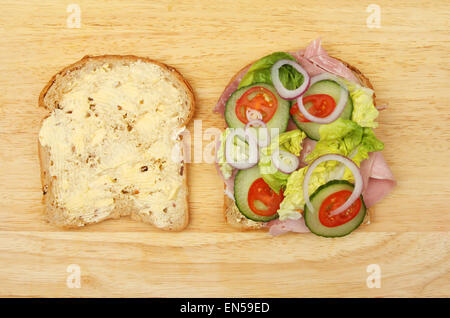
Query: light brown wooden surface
point(407, 60)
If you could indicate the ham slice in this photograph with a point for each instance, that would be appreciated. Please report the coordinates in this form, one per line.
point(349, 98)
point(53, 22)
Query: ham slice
point(307, 146)
point(277, 227)
point(377, 177)
point(307, 65)
point(291, 125)
point(316, 55)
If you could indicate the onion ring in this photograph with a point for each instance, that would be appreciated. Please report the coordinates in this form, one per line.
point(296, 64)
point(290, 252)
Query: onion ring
point(337, 110)
point(252, 114)
point(283, 91)
point(357, 190)
point(261, 128)
point(257, 122)
point(253, 149)
point(282, 165)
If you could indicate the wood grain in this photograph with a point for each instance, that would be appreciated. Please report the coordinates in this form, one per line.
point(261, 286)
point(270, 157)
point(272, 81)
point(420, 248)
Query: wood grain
point(406, 59)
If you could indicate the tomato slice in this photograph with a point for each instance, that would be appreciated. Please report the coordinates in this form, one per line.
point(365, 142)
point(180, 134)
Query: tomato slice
point(334, 201)
point(262, 200)
point(322, 106)
point(257, 98)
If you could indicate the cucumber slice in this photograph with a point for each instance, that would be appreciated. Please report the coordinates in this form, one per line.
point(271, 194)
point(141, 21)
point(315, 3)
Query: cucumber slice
point(279, 120)
point(312, 218)
point(323, 87)
point(244, 179)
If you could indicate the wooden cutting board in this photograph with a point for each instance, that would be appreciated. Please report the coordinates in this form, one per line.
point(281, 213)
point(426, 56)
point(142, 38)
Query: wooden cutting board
point(407, 59)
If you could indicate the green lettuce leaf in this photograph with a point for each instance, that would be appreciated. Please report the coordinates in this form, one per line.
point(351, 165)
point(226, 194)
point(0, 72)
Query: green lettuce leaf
point(369, 143)
point(259, 72)
point(225, 167)
point(347, 138)
point(289, 141)
point(364, 111)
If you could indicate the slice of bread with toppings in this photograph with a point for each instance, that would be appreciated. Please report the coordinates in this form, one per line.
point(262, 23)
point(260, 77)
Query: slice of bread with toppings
point(110, 146)
point(232, 214)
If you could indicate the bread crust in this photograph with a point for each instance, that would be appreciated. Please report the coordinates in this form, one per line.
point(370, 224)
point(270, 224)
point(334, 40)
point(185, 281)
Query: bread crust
point(55, 215)
point(229, 206)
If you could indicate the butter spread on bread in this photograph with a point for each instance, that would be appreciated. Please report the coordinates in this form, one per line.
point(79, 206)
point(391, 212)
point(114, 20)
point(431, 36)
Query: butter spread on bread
point(110, 144)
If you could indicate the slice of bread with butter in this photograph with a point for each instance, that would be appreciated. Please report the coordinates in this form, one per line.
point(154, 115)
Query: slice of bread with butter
point(111, 145)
